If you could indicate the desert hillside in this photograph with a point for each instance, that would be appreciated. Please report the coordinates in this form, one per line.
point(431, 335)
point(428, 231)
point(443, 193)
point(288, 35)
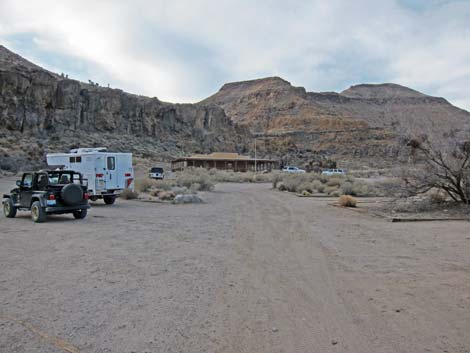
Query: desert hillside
point(41, 111)
point(362, 124)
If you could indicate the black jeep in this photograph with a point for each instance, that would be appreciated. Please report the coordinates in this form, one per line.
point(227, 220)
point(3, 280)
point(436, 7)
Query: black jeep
point(48, 192)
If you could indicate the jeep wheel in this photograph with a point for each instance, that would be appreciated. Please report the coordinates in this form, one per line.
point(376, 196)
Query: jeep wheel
point(109, 200)
point(9, 209)
point(80, 214)
point(38, 213)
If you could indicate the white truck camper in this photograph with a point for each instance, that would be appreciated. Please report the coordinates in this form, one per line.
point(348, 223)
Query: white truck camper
point(108, 173)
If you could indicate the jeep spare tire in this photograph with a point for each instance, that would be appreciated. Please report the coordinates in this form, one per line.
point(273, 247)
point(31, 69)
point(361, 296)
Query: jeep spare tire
point(71, 194)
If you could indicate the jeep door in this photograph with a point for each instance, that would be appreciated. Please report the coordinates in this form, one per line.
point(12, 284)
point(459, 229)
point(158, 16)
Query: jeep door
point(26, 190)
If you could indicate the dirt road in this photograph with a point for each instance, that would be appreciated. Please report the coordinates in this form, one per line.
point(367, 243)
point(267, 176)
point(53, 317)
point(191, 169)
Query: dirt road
point(252, 270)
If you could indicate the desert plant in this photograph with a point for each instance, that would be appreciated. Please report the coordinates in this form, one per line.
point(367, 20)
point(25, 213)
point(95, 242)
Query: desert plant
point(144, 185)
point(445, 166)
point(330, 189)
point(437, 197)
point(128, 194)
point(276, 178)
point(166, 195)
point(335, 181)
point(163, 184)
point(347, 201)
point(196, 176)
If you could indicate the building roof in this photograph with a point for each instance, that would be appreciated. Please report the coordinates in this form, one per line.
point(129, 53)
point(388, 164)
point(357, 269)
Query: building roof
point(221, 156)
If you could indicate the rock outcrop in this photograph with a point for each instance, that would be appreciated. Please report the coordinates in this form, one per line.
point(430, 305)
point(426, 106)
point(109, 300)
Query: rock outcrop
point(361, 125)
point(41, 111)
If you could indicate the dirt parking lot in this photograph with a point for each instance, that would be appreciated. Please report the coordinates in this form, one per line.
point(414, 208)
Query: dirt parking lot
point(251, 270)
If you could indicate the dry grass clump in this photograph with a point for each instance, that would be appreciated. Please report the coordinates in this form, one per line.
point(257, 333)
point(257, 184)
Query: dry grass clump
point(347, 201)
point(128, 194)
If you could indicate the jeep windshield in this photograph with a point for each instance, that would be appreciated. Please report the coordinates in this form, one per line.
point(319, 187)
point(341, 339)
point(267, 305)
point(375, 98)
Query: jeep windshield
point(63, 178)
point(156, 170)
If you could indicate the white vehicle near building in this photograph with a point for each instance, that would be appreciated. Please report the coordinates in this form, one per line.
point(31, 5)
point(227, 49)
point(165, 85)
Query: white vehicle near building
point(289, 169)
point(329, 172)
point(108, 173)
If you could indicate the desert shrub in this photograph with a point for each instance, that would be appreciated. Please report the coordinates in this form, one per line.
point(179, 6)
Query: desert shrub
point(166, 195)
point(281, 187)
point(164, 184)
point(306, 193)
point(335, 181)
point(195, 188)
point(335, 193)
point(330, 189)
point(347, 188)
point(276, 178)
point(305, 186)
point(196, 176)
point(128, 194)
point(144, 185)
point(437, 197)
point(347, 201)
point(292, 182)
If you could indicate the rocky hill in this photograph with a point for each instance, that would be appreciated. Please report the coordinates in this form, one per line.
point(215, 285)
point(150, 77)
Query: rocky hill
point(41, 111)
point(361, 124)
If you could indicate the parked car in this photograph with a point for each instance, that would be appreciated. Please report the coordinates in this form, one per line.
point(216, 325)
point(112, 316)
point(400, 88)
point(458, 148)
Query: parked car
point(156, 173)
point(329, 172)
point(289, 169)
point(108, 173)
point(48, 192)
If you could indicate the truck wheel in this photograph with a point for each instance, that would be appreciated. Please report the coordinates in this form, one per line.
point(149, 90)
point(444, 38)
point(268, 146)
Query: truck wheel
point(9, 208)
point(38, 213)
point(109, 200)
point(80, 214)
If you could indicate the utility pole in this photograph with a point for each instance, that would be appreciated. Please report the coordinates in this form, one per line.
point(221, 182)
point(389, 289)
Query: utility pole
point(255, 156)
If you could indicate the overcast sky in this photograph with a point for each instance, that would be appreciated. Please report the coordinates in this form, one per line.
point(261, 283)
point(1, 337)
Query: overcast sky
point(183, 51)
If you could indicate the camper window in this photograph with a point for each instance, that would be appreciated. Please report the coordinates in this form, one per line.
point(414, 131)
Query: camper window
point(111, 163)
point(75, 159)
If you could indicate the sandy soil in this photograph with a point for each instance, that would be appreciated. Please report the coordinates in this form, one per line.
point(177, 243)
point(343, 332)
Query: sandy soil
point(252, 270)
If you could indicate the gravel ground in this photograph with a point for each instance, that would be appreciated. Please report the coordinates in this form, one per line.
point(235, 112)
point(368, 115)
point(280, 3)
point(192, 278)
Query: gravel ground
point(251, 270)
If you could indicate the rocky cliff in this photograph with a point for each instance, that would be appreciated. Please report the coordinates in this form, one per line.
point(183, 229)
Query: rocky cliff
point(41, 111)
point(361, 125)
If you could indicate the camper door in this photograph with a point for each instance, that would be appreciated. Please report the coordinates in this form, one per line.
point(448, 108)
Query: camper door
point(111, 172)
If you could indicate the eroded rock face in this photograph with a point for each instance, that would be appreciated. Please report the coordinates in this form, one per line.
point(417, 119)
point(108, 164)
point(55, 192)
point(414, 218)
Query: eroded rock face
point(54, 112)
point(361, 125)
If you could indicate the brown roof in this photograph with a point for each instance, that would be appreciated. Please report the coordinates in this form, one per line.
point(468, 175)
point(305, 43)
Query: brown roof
point(221, 156)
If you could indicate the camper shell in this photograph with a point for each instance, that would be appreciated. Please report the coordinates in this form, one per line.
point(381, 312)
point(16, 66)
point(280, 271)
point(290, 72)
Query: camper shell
point(108, 173)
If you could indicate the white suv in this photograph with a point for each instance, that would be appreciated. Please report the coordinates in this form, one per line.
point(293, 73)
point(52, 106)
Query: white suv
point(334, 172)
point(292, 170)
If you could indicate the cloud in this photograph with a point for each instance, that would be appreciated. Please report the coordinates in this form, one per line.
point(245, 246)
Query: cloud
point(185, 50)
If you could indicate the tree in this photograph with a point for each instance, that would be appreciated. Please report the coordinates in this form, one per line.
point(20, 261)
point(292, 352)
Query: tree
point(444, 166)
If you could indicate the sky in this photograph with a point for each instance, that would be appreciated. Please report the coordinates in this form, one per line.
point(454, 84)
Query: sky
point(185, 50)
